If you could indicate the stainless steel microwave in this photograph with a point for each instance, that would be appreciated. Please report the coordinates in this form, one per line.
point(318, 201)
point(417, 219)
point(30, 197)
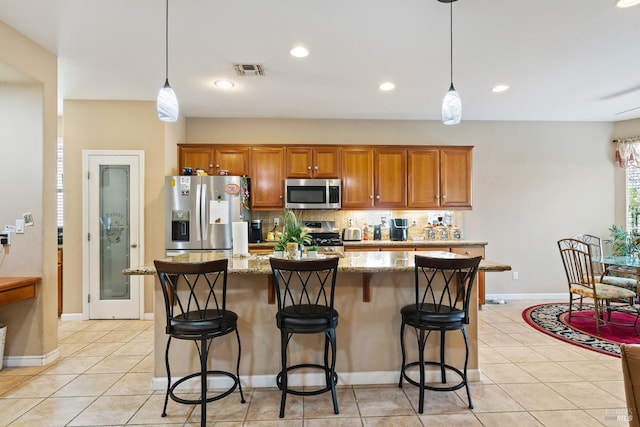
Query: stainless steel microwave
point(313, 194)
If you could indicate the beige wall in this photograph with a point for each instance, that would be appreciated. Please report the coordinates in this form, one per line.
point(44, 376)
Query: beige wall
point(113, 125)
point(28, 132)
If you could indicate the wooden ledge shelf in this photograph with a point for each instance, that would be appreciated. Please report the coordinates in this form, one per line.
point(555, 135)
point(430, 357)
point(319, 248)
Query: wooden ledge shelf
point(14, 289)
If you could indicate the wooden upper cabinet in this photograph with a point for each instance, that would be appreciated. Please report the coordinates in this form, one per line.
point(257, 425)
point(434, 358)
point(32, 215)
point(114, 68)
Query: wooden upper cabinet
point(307, 162)
point(267, 178)
point(232, 159)
point(423, 180)
point(439, 177)
point(390, 177)
point(357, 178)
point(455, 177)
point(194, 157)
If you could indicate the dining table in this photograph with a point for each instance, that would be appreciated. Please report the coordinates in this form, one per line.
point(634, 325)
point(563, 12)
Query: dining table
point(628, 265)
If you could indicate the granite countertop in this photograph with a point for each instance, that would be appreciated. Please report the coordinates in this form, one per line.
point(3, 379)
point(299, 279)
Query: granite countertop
point(350, 262)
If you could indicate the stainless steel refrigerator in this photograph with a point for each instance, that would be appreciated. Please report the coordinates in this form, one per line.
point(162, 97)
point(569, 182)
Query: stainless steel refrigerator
point(200, 210)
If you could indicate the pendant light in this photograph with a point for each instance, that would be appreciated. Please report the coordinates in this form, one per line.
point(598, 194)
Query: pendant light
point(167, 104)
point(451, 104)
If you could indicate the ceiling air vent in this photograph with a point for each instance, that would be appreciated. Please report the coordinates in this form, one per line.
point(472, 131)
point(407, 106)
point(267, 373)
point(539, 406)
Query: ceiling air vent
point(249, 69)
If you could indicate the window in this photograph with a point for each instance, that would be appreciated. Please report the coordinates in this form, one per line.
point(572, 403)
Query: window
point(633, 199)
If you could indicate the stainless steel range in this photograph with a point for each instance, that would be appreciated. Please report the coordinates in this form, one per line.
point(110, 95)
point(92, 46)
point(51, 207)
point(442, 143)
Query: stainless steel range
point(325, 235)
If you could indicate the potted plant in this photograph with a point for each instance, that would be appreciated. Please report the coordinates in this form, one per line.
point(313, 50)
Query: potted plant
point(312, 251)
point(278, 250)
point(623, 243)
point(293, 236)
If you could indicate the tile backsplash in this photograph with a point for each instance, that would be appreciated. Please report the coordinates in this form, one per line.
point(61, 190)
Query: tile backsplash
point(417, 220)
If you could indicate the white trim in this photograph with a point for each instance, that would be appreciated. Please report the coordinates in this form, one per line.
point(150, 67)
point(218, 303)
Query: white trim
point(17, 361)
point(74, 317)
point(299, 380)
point(561, 296)
point(148, 316)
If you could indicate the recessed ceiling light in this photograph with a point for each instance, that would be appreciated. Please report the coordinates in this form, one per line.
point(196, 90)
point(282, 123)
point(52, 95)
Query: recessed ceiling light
point(387, 86)
point(299, 52)
point(627, 3)
point(224, 84)
point(499, 88)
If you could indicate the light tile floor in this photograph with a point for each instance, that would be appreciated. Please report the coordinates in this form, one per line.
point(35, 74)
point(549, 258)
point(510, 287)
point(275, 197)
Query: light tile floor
point(528, 379)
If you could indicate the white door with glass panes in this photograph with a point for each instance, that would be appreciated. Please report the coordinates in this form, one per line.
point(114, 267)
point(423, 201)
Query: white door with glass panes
point(113, 237)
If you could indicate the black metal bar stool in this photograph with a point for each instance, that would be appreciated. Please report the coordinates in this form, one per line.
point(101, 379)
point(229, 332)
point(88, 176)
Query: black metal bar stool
point(442, 293)
point(304, 292)
point(195, 297)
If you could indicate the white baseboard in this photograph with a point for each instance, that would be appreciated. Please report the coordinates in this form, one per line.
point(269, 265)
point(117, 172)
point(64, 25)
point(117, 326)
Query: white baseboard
point(560, 297)
point(17, 361)
point(299, 380)
point(75, 317)
point(79, 316)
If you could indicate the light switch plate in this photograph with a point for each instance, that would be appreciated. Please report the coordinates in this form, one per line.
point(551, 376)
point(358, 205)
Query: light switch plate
point(19, 226)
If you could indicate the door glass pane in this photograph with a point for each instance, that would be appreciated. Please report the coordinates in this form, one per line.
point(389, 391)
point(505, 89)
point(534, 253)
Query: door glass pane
point(114, 231)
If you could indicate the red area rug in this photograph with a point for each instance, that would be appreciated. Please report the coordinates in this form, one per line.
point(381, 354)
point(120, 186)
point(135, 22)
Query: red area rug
point(551, 319)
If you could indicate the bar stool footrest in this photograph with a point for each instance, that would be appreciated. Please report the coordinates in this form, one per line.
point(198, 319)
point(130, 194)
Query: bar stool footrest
point(213, 398)
point(307, 392)
point(450, 368)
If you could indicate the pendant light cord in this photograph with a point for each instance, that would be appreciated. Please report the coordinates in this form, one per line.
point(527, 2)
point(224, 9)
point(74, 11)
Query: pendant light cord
point(166, 42)
point(450, 38)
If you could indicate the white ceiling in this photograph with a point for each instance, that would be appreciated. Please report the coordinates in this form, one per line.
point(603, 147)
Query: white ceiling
point(564, 59)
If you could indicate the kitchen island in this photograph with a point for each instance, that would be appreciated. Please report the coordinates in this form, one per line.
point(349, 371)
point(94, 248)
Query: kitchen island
point(367, 334)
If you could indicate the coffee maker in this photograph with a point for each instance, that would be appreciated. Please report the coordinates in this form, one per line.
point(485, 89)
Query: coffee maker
point(255, 231)
point(399, 229)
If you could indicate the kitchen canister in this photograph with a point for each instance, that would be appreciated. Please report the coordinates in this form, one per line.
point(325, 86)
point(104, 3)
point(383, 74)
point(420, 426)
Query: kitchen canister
point(430, 231)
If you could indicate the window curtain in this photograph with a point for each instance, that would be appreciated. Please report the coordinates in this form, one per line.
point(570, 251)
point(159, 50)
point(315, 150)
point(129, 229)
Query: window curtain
point(628, 152)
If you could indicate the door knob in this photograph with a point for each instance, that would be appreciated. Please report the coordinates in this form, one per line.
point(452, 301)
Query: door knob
point(134, 245)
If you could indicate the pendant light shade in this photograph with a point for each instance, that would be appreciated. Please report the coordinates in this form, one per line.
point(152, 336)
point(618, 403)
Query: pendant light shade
point(167, 104)
point(451, 107)
point(452, 103)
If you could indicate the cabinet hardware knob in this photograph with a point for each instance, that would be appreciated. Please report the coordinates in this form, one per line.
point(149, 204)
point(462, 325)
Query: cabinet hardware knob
point(316, 168)
point(444, 197)
point(378, 197)
point(210, 166)
point(281, 196)
point(308, 168)
point(218, 166)
point(437, 197)
point(371, 197)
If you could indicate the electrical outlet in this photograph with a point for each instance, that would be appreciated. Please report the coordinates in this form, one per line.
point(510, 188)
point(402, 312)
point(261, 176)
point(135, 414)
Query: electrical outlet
point(515, 275)
point(413, 221)
point(276, 221)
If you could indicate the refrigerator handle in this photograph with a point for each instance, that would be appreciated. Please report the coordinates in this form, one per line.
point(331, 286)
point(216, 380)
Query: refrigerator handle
point(204, 208)
point(198, 211)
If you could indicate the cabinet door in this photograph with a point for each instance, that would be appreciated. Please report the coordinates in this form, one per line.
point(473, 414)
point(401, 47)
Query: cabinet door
point(455, 177)
point(299, 162)
point(267, 178)
point(357, 178)
point(232, 159)
point(307, 162)
point(423, 179)
point(326, 162)
point(390, 178)
point(196, 157)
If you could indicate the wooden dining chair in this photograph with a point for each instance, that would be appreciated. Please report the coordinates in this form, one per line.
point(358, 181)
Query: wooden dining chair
point(584, 283)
